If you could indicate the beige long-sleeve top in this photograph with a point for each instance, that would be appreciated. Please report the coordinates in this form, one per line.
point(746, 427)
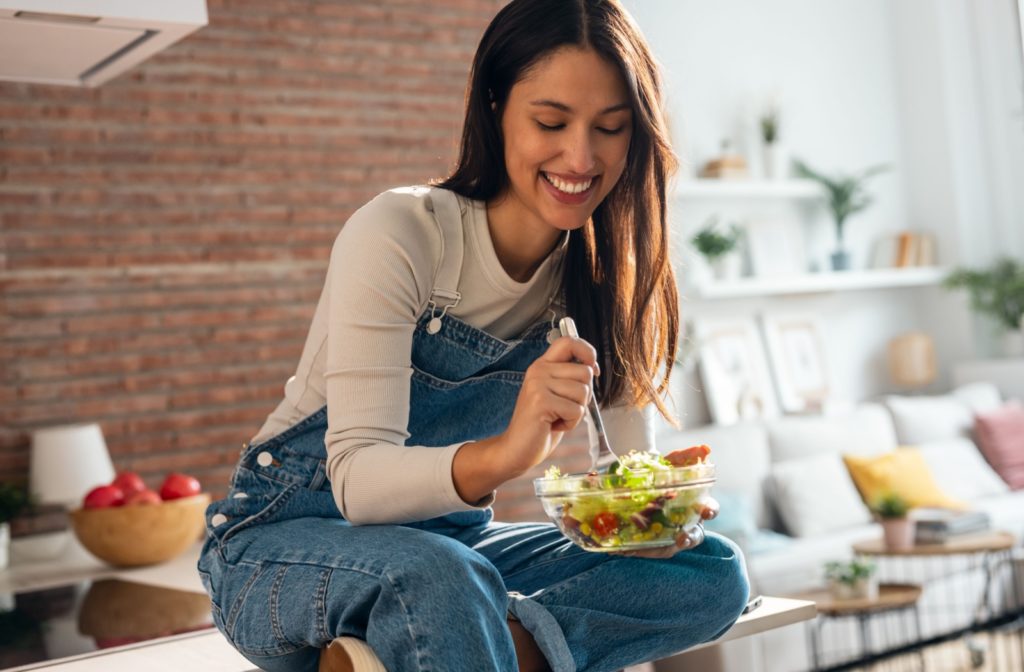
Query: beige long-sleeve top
point(357, 355)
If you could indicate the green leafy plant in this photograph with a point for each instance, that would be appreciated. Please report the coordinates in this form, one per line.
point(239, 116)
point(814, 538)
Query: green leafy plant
point(712, 243)
point(997, 291)
point(770, 125)
point(846, 195)
point(890, 505)
point(849, 572)
point(12, 501)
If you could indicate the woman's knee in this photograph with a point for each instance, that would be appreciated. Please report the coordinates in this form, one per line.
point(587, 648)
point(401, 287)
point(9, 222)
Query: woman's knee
point(727, 572)
point(445, 571)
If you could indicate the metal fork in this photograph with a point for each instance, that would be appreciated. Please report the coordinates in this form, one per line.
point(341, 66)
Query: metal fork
point(567, 327)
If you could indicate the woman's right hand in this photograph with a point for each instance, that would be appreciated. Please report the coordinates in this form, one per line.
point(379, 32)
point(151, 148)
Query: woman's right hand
point(552, 400)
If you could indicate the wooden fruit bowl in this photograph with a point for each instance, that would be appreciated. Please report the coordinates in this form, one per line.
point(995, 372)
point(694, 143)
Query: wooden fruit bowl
point(141, 534)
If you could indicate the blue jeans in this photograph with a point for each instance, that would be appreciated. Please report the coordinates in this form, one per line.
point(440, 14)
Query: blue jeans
point(435, 595)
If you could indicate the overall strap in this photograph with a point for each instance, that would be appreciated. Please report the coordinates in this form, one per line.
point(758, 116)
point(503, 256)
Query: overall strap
point(444, 295)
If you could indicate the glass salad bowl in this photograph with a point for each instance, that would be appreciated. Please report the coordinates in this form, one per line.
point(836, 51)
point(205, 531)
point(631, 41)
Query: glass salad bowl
point(643, 501)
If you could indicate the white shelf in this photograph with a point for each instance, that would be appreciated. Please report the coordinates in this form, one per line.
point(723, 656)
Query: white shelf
point(821, 282)
point(747, 189)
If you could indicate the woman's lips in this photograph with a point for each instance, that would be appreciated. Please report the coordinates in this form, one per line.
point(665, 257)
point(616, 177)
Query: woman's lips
point(566, 198)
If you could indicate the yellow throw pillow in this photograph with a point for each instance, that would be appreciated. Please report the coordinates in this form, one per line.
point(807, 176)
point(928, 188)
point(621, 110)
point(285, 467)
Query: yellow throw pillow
point(902, 471)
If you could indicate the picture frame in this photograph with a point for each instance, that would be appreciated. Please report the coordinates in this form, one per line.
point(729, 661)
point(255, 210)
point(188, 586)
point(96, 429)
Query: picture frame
point(775, 247)
point(796, 350)
point(734, 370)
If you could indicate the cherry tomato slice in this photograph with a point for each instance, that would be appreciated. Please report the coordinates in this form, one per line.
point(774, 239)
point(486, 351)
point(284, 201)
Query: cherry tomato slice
point(605, 523)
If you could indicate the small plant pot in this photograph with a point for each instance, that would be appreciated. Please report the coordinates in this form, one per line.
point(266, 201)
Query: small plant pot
point(899, 533)
point(840, 260)
point(861, 589)
point(725, 267)
point(776, 161)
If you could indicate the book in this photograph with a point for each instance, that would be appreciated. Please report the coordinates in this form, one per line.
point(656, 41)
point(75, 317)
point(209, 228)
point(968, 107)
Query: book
point(904, 249)
point(934, 526)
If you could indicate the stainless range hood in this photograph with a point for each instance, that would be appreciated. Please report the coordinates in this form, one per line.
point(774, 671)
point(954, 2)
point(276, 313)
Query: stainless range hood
point(87, 42)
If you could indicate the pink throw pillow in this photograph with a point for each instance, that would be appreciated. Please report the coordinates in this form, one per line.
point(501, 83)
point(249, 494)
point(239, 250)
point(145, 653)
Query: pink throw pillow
point(1000, 436)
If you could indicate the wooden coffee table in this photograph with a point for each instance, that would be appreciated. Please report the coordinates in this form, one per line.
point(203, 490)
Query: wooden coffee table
point(985, 542)
point(986, 550)
point(891, 597)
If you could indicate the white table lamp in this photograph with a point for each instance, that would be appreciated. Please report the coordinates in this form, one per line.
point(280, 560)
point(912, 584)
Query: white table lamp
point(66, 462)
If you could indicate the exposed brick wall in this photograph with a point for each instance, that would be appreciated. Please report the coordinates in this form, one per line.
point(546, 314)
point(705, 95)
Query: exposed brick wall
point(165, 236)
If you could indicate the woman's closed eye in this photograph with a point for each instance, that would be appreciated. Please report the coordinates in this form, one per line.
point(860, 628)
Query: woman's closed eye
point(558, 127)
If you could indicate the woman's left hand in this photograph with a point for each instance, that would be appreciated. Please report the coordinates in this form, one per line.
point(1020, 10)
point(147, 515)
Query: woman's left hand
point(684, 541)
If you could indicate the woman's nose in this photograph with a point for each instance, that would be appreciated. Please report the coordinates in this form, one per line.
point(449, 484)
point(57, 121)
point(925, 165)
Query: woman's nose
point(579, 154)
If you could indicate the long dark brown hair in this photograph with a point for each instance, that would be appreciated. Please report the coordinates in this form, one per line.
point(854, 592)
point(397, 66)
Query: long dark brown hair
point(618, 281)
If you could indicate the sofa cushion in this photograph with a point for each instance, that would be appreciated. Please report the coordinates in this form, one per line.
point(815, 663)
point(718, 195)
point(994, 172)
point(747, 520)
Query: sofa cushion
point(741, 458)
point(735, 516)
point(1000, 435)
point(903, 472)
point(1006, 512)
point(922, 419)
point(815, 495)
point(959, 469)
point(979, 397)
point(800, 565)
point(867, 430)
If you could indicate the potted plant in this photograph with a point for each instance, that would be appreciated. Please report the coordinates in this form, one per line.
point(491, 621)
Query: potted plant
point(997, 292)
point(12, 500)
point(846, 196)
point(891, 510)
point(717, 247)
point(852, 580)
point(774, 153)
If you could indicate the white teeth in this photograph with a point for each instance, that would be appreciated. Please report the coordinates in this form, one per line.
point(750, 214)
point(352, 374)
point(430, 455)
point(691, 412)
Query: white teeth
point(568, 187)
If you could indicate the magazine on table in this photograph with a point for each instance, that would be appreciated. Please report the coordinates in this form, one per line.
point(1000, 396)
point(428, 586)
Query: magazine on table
point(934, 526)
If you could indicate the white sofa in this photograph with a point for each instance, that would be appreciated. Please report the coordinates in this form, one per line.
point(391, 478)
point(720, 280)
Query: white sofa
point(786, 477)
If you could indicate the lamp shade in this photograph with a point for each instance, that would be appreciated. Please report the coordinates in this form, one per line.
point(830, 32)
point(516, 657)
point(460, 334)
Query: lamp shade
point(912, 359)
point(66, 462)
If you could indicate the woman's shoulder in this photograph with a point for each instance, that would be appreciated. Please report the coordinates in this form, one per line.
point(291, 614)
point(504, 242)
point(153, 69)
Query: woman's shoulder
point(405, 210)
point(395, 227)
point(401, 214)
point(409, 202)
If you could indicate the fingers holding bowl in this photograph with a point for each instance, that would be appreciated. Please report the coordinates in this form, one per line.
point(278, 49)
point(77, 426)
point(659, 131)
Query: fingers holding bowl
point(709, 508)
point(691, 538)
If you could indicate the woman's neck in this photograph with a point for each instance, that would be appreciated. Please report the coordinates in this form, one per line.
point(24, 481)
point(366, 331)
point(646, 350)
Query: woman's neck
point(520, 240)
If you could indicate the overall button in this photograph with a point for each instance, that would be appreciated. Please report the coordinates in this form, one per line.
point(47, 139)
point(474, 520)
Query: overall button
point(239, 495)
point(264, 459)
point(218, 519)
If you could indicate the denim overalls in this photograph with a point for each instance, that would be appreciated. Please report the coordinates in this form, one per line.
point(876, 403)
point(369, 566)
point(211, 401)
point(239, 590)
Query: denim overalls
point(287, 574)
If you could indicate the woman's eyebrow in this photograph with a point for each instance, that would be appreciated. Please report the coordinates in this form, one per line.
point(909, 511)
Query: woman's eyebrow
point(565, 108)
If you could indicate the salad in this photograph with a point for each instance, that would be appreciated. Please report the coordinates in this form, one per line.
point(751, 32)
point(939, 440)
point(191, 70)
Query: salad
point(642, 501)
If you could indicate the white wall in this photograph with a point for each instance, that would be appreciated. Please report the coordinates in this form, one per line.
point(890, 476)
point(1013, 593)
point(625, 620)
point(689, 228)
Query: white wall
point(829, 64)
point(962, 106)
point(859, 82)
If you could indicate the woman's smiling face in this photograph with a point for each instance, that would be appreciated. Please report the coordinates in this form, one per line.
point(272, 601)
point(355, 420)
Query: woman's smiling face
point(567, 126)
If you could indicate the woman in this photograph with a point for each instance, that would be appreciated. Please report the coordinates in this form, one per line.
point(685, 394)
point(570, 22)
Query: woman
point(430, 377)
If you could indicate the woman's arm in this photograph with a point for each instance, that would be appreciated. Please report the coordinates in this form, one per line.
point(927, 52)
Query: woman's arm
point(381, 271)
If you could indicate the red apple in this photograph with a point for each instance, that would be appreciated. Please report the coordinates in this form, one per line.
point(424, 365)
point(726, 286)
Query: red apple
point(129, 482)
point(103, 496)
point(178, 485)
point(145, 496)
